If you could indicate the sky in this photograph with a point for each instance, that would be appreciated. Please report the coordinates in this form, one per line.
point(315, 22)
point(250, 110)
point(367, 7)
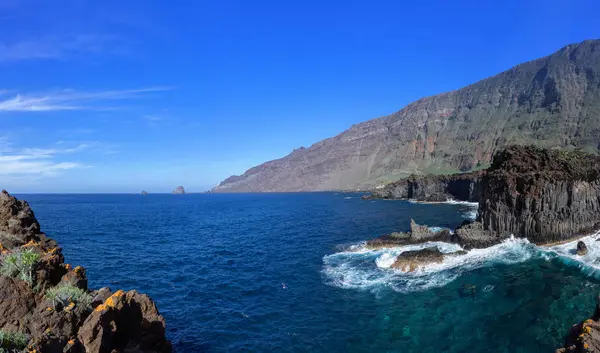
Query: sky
point(124, 96)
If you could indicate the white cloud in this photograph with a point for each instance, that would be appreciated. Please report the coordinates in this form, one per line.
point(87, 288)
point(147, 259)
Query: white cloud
point(34, 162)
point(71, 100)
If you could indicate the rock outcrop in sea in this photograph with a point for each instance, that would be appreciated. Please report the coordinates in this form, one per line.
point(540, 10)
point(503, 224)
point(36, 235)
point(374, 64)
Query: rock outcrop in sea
point(179, 190)
point(45, 303)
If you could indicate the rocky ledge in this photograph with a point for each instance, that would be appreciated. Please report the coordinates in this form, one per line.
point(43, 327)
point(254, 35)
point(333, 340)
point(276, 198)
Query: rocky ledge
point(409, 261)
point(46, 306)
point(417, 234)
point(432, 188)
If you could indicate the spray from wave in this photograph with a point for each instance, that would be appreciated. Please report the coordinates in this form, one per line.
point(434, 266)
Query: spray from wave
point(366, 269)
point(567, 254)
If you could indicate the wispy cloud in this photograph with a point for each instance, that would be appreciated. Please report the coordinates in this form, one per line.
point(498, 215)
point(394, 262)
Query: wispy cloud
point(34, 162)
point(53, 47)
point(72, 100)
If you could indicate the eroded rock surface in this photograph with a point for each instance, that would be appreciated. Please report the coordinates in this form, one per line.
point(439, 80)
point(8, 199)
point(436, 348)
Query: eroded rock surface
point(409, 261)
point(417, 234)
point(542, 195)
point(433, 188)
point(125, 322)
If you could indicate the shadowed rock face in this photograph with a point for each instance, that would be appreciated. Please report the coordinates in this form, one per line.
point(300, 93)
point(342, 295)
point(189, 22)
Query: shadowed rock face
point(433, 188)
point(550, 102)
point(541, 195)
point(119, 322)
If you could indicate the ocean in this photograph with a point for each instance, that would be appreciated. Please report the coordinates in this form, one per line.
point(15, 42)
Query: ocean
point(288, 273)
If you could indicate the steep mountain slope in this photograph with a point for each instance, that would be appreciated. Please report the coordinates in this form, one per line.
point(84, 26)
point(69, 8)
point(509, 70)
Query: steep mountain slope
point(550, 102)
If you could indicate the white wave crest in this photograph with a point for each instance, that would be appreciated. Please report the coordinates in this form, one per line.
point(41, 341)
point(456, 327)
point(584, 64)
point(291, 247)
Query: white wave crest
point(370, 269)
point(567, 253)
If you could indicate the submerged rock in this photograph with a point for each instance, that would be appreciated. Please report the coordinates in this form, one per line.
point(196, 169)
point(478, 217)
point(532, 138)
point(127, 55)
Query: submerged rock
point(409, 261)
point(49, 302)
point(581, 248)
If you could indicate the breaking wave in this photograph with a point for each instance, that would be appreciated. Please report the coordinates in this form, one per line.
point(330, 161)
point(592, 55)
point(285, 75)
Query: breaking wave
point(364, 269)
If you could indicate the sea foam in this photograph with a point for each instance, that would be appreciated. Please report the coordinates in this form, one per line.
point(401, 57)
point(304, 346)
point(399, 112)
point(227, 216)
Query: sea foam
point(366, 269)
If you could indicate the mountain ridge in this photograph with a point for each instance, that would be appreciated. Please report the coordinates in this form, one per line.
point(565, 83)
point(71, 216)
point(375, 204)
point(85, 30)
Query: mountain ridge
point(552, 101)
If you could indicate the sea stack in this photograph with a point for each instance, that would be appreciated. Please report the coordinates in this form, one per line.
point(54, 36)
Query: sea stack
point(179, 190)
point(45, 303)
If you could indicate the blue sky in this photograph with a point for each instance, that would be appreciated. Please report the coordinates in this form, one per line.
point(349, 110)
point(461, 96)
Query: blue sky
point(120, 96)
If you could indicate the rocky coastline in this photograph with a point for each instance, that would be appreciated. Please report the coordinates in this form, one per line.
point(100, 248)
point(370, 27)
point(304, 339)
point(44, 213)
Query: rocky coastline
point(46, 305)
point(545, 196)
point(433, 188)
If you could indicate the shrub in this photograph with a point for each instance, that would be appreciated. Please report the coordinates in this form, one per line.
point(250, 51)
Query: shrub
point(12, 341)
point(64, 294)
point(20, 264)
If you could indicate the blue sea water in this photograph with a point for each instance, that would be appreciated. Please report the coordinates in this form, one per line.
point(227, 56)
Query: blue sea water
point(286, 272)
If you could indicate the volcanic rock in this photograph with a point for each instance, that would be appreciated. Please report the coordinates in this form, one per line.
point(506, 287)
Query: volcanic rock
point(542, 195)
point(126, 323)
point(582, 249)
point(409, 261)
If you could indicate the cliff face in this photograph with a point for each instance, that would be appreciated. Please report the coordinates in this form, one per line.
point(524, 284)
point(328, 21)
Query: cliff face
point(543, 195)
point(463, 187)
point(539, 194)
point(550, 102)
point(46, 306)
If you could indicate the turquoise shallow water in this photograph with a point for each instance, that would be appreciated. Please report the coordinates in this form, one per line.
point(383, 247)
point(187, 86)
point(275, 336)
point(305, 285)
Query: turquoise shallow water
point(286, 272)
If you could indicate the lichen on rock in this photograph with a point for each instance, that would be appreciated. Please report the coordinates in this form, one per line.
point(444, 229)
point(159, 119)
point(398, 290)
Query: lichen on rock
point(55, 310)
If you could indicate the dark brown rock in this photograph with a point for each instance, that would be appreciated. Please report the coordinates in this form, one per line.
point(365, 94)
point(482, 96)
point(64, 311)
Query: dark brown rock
point(409, 261)
point(581, 248)
point(125, 320)
point(76, 278)
point(17, 303)
point(54, 327)
point(417, 234)
point(18, 224)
